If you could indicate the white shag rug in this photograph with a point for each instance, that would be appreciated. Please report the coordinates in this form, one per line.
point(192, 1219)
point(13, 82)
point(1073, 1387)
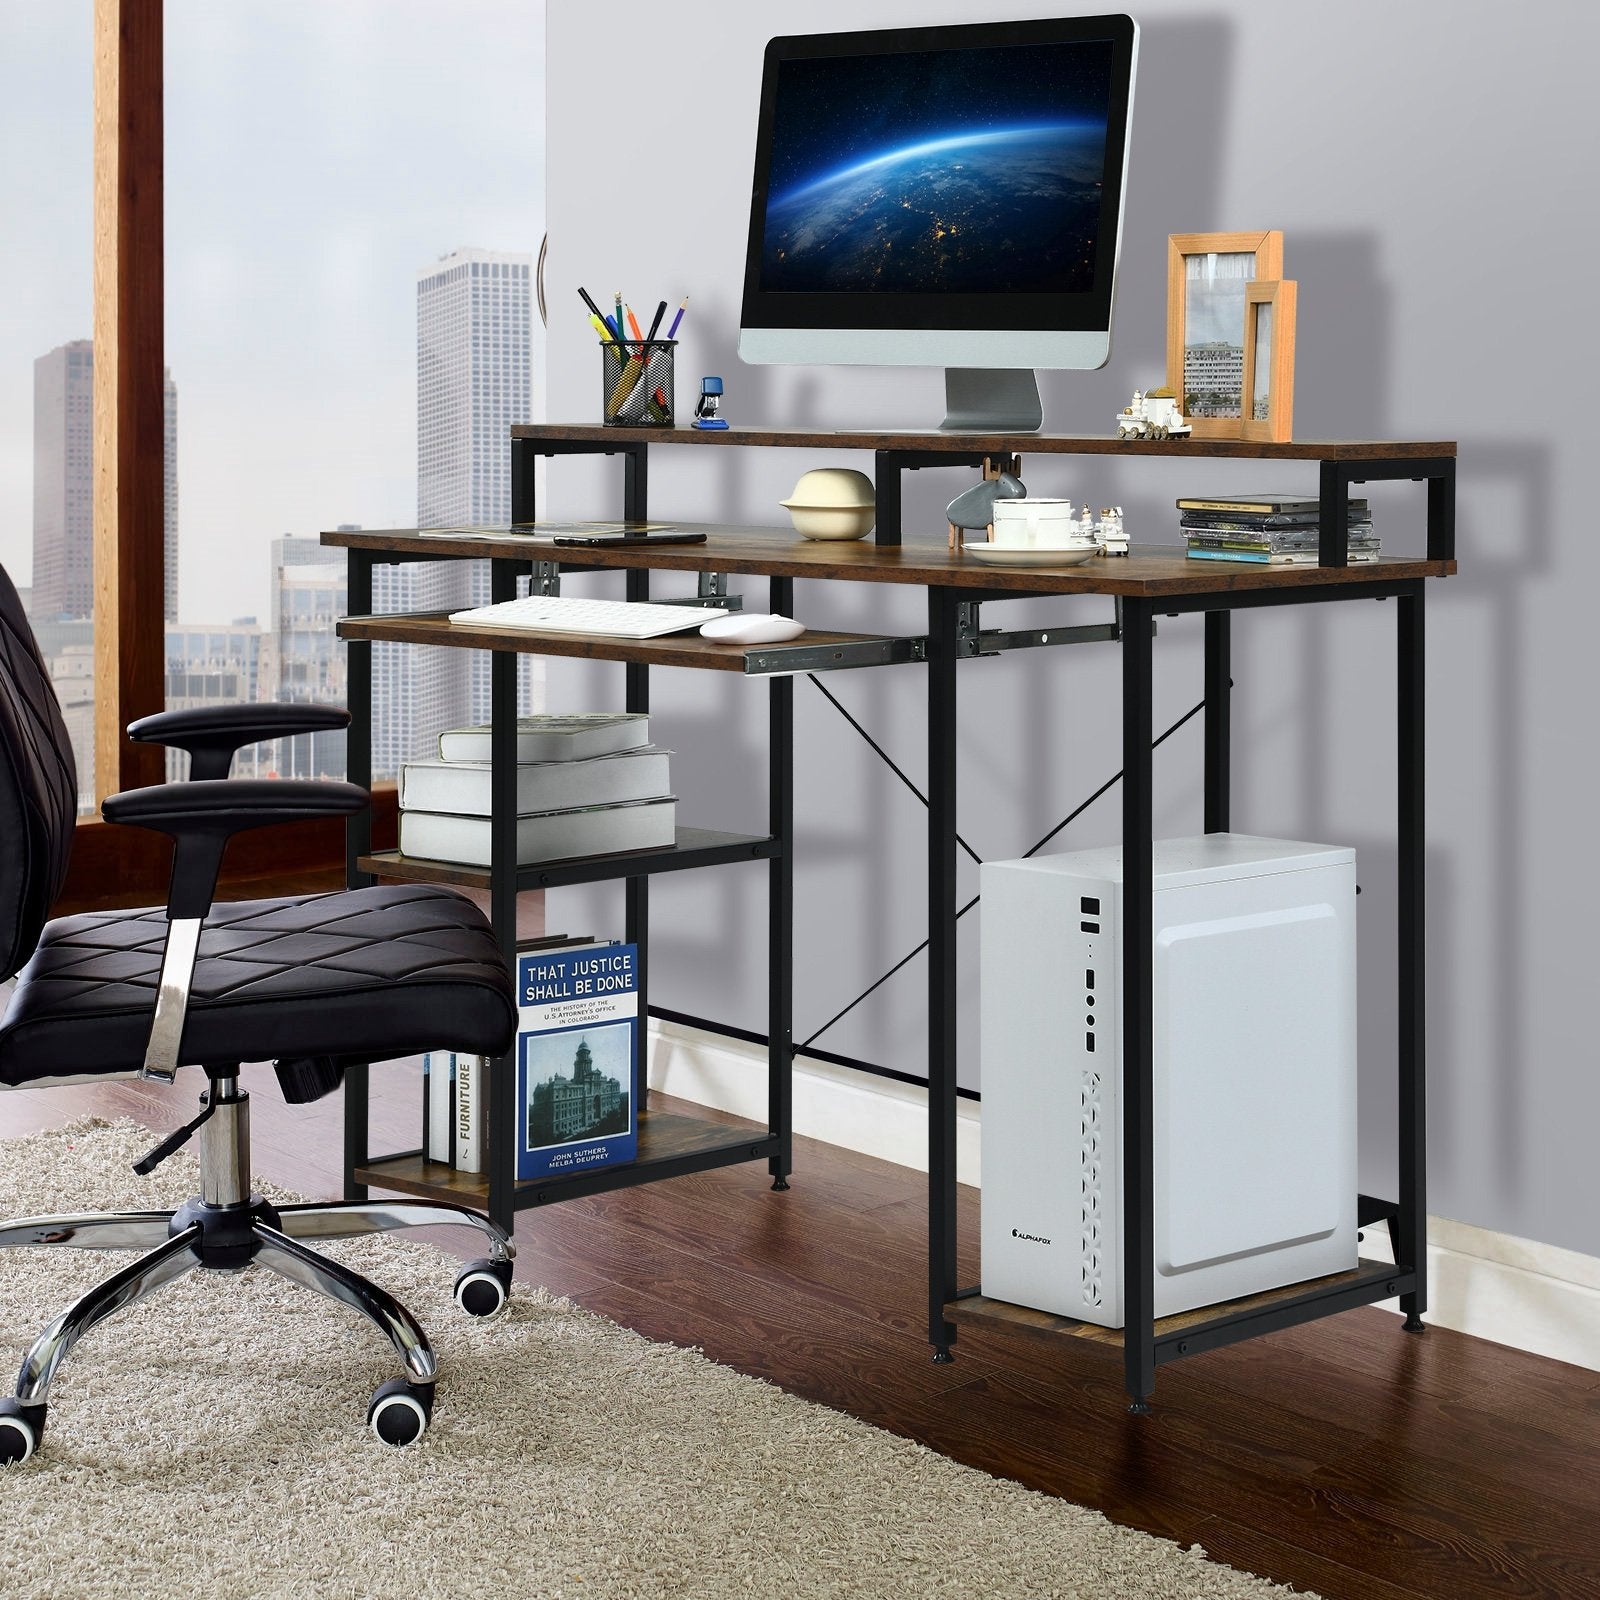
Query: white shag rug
point(211, 1443)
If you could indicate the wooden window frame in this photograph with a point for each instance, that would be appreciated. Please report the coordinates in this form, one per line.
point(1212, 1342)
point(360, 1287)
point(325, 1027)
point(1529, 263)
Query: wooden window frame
point(128, 866)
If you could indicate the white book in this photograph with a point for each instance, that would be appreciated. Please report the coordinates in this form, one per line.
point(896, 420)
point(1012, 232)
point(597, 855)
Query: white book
point(547, 836)
point(437, 1070)
point(552, 737)
point(463, 787)
point(471, 1108)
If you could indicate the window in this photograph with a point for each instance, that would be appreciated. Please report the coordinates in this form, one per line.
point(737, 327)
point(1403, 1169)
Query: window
point(324, 347)
point(46, 350)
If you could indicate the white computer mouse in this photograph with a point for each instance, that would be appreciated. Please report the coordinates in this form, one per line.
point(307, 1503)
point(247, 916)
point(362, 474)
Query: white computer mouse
point(739, 627)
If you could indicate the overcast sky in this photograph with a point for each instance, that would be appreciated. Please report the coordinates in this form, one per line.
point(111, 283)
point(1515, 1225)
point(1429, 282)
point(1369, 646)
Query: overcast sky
point(318, 153)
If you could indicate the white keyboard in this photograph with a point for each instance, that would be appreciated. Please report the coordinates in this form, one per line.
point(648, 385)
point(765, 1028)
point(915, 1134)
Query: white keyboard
point(616, 619)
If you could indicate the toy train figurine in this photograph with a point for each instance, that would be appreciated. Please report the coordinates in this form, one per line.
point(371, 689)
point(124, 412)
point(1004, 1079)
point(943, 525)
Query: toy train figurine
point(1153, 415)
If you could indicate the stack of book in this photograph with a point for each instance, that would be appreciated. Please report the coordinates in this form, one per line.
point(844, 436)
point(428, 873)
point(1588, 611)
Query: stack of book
point(1269, 529)
point(586, 785)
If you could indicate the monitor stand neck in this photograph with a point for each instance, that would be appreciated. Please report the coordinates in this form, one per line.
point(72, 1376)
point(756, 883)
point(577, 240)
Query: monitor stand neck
point(991, 400)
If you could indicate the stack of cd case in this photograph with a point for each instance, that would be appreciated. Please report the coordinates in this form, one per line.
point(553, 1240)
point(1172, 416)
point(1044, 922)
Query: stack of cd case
point(1269, 530)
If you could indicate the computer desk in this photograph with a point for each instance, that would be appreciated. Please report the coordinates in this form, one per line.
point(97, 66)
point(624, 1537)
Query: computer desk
point(1143, 585)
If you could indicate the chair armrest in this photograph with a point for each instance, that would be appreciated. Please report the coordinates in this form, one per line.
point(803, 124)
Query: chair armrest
point(201, 818)
point(211, 734)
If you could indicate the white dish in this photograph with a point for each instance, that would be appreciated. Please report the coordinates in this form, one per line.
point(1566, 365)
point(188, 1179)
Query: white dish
point(1015, 555)
point(752, 628)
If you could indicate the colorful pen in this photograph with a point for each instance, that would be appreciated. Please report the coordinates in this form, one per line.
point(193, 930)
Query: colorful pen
point(617, 322)
point(633, 324)
point(684, 306)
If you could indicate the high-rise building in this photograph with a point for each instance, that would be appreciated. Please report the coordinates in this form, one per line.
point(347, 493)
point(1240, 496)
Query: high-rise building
point(473, 381)
point(63, 484)
point(474, 346)
point(310, 592)
point(169, 495)
point(220, 664)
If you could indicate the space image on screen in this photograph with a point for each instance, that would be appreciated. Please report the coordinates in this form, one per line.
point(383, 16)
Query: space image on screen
point(938, 172)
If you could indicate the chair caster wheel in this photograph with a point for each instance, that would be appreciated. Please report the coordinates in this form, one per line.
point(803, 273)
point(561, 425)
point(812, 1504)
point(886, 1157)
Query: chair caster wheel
point(400, 1411)
point(20, 1430)
point(483, 1287)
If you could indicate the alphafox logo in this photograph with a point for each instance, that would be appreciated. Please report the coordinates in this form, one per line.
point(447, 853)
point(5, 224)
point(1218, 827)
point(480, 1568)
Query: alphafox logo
point(1031, 1238)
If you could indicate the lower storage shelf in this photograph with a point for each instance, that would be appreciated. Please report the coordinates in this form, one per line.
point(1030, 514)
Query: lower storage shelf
point(671, 1143)
point(1208, 1327)
point(694, 847)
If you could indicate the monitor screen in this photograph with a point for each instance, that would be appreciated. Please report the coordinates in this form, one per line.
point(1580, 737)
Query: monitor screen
point(962, 171)
point(963, 179)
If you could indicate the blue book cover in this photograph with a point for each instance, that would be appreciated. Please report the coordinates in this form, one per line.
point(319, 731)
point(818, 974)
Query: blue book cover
point(577, 1059)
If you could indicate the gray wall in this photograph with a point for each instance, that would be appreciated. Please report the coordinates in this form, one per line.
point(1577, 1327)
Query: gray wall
point(1431, 167)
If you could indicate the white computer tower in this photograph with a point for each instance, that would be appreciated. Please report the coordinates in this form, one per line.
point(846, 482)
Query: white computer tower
point(1254, 978)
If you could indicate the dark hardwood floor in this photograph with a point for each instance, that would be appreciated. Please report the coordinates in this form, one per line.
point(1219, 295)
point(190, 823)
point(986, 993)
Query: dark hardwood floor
point(1344, 1457)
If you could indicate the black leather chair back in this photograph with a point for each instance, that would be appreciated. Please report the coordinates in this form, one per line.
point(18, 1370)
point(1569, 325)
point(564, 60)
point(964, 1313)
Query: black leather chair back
point(38, 787)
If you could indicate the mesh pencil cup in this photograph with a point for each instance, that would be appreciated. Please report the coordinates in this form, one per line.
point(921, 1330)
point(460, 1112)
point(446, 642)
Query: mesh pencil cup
point(638, 380)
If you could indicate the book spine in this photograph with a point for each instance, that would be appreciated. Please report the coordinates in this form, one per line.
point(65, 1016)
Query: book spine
point(437, 1067)
point(469, 1118)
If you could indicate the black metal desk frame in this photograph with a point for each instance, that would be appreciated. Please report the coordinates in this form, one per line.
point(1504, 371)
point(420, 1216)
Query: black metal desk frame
point(952, 636)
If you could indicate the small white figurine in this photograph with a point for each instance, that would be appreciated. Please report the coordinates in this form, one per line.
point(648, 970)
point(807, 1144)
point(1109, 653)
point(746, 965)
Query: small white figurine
point(1152, 415)
point(1113, 540)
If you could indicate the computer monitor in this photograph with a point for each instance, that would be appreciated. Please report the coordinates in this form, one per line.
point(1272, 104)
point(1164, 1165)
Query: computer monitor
point(946, 196)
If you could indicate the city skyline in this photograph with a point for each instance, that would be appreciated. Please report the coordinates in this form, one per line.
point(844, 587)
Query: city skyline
point(290, 309)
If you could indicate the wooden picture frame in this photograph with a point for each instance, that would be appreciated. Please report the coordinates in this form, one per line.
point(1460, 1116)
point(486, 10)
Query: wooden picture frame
point(1269, 312)
point(1206, 405)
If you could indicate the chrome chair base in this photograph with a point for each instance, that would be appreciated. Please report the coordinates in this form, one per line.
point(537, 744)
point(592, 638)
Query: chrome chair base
point(240, 1231)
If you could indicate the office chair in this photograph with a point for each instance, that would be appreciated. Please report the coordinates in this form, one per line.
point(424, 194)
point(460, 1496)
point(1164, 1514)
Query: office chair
point(313, 982)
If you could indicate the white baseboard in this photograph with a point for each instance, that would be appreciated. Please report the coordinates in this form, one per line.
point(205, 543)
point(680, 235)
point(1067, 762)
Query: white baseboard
point(854, 1110)
point(1534, 1297)
point(1516, 1292)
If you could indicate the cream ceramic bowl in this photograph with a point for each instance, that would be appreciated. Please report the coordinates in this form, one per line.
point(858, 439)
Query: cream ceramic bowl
point(832, 503)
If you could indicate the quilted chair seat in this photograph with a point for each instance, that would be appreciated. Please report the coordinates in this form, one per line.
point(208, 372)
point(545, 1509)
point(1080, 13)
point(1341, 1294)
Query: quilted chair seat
point(363, 975)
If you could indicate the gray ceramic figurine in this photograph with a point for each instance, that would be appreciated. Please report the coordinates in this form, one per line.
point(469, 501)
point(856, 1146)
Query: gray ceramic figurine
point(974, 507)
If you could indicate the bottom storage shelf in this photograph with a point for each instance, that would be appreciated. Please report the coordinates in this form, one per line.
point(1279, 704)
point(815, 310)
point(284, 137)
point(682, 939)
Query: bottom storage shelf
point(671, 1143)
point(1207, 1327)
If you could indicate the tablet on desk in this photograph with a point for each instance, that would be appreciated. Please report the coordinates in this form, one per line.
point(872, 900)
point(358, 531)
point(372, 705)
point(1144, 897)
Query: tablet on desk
point(593, 540)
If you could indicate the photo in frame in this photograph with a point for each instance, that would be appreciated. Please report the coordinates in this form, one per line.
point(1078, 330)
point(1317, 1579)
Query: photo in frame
point(1207, 276)
point(1269, 309)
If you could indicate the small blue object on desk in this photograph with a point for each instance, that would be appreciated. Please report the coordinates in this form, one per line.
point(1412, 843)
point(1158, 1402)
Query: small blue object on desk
point(705, 410)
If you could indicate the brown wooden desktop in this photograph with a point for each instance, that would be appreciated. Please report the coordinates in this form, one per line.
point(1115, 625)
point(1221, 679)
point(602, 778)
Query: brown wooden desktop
point(1144, 584)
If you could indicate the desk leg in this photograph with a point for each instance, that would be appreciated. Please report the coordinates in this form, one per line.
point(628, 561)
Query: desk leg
point(636, 910)
point(358, 697)
point(1412, 957)
point(1219, 733)
point(503, 895)
point(357, 836)
point(780, 906)
point(1138, 887)
point(943, 605)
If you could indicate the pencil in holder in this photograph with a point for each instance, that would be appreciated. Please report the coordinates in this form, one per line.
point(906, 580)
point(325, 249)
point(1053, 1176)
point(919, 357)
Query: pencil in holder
point(638, 382)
